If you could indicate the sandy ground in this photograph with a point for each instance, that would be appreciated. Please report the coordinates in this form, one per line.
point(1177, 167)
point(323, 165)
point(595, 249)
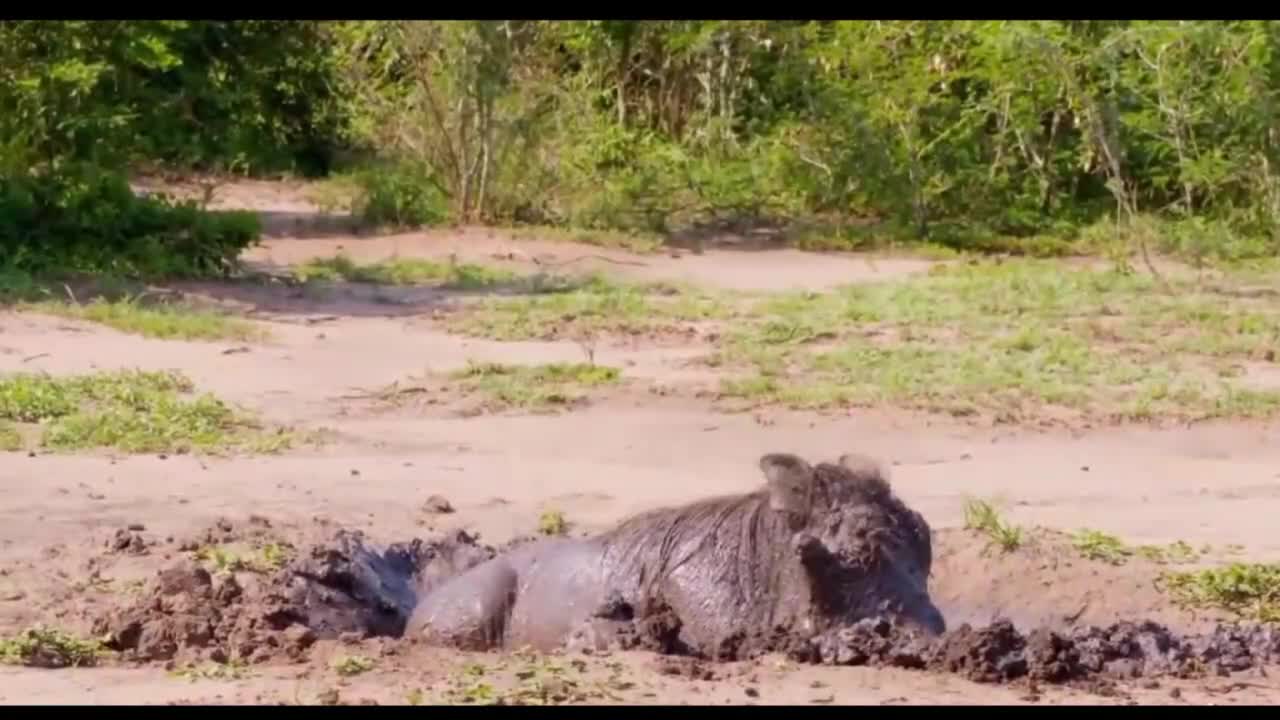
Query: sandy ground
point(1210, 484)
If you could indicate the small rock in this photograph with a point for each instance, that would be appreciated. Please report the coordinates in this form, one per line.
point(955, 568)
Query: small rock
point(751, 692)
point(1175, 693)
point(437, 504)
point(136, 527)
point(328, 697)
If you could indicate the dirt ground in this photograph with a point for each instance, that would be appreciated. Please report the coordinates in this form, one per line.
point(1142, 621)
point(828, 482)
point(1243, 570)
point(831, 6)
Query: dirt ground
point(631, 449)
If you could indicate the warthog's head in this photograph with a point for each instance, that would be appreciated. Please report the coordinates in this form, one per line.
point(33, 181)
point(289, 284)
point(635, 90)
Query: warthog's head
point(864, 551)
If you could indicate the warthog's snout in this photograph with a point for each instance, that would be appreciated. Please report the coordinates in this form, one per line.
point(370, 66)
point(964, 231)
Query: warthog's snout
point(924, 616)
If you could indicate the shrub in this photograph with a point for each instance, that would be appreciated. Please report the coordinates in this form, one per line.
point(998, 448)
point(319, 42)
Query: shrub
point(86, 220)
point(400, 194)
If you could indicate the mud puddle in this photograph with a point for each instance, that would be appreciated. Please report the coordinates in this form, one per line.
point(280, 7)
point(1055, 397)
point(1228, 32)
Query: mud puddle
point(347, 587)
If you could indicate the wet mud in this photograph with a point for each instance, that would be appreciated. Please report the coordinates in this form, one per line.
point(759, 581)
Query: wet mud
point(348, 587)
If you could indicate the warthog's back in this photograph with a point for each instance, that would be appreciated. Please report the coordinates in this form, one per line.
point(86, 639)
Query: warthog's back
point(817, 548)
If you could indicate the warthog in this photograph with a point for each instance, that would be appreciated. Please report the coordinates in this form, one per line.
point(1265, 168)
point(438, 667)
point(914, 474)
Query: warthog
point(816, 549)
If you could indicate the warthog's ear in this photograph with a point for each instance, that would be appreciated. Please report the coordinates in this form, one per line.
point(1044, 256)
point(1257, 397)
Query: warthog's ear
point(867, 474)
point(863, 466)
point(790, 482)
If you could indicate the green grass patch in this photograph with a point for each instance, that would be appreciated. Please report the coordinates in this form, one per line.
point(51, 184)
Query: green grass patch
point(1018, 341)
point(49, 648)
point(122, 305)
point(163, 322)
point(1247, 590)
point(551, 385)
point(405, 271)
point(597, 306)
point(132, 411)
point(983, 517)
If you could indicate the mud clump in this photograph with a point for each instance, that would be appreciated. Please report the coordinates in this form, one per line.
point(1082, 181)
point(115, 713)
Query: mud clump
point(339, 587)
point(128, 541)
point(1000, 653)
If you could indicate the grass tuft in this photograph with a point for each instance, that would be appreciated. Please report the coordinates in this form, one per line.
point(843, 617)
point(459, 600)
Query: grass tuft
point(553, 523)
point(982, 516)
point(49, 648)
point(551, 385)
point(1247, 590)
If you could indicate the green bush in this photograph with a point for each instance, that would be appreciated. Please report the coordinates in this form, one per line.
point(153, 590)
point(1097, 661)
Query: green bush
point(401, 195)
point(83, 220)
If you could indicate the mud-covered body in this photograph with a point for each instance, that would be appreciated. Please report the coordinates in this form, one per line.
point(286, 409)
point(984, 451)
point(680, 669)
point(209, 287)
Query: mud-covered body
point(817, 548)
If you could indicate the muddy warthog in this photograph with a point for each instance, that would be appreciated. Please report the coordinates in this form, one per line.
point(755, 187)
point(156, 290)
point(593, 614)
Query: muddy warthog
point(817, 548)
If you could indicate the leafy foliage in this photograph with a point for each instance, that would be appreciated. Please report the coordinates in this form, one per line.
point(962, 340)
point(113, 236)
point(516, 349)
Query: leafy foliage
point(990, 135)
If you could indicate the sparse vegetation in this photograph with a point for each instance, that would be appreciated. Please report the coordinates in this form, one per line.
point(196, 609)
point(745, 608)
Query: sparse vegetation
point(405, 271)
point(132, 411)
point(553, 523)
point(981, 516)
point(49, 648)
point(551, 385)
point(351, 665)
point(1097, 545)
point(539, 680)
point(1248, 590)
point(230, 670)
point(1021, 341)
